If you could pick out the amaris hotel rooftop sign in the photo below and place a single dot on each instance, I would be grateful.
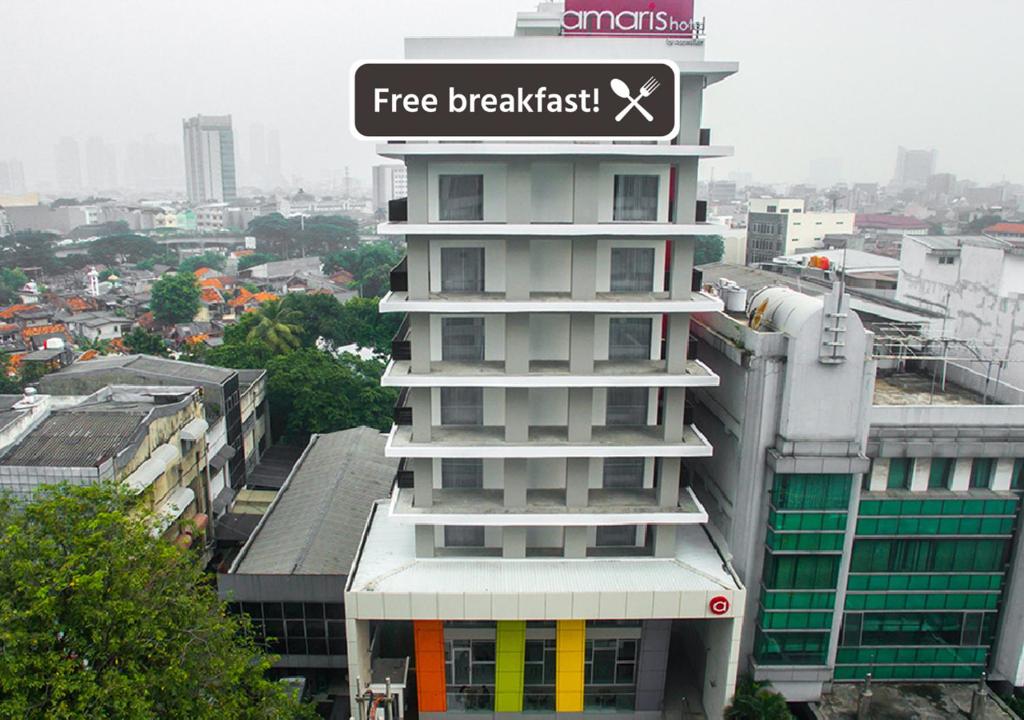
(636, 18)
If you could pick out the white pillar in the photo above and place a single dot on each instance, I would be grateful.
(1004, 474)
(919, 478)
(879, 475)
(961, 475)
(357, 640)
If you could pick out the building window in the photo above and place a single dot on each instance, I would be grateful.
(629, 339)
(929, 556)
(811, 492)
(1017, 479)
(462, 339)
(463, 536)
(616, 536)
(469, 667)
(946, 259)
(801, 572)
(462, 269)
(941, 473)
(623, 473)
(461, 198)
(901, 470)
(791, 648)
(773, 208)
(462, 406)
(462, 473)
(539, 675)
(609, 674)
(626, 406)
(296, 628)
(636, 198)
(982, 470)
(632, 270)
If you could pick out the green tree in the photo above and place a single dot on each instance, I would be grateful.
(367, 327)
(313, 392)
(99, 619)
(756, 701)
(175, 298)
(239, 355)
(208, 259)
(710, 249)
(370, 264)
(33, 248)
(9, 383)
(276, 326)
(978, 224)
(257, 258)
(118, 249)
(298, 237)
(140, 340)
(11, 281)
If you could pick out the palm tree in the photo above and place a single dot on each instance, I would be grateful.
(756, 701)
(277, 327)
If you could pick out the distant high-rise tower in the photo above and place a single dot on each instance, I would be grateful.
(12, 177)
(68, 165)
(274, 176)
(209, 158)
(257, 172)
(913, 167)
(100, 164)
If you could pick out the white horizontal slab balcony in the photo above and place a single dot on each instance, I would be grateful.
(619, 151)
(546, 508)
(477, 303)
(549, 374)
(503, 230)
(545, 442)
(389, 582)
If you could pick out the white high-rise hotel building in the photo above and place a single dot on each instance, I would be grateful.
(542, 551)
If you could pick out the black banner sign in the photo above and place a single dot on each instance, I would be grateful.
(515, 100)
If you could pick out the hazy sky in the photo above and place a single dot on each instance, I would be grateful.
(845, 79)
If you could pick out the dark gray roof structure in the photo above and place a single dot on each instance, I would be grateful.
(75, 439)
(315, 524)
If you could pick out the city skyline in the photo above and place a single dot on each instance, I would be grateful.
(778, 138)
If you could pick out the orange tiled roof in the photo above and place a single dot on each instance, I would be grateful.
(342, 277)
(8, 312)
(241, 298)
(77, 303)
(43, 330)
(7, 327)
(262, 297)
(89, 355)
(209, 295)
(1006, 228)
(214, 282)
(196, 339)
(199, 272)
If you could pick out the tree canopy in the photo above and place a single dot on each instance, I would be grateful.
(11, 281)
(710, 249)
(100, 619)
(122, 248)
(757, 701)
(370, 264)
(299, 237)
(256, 258)
(175, 298)
(140, 340)
(210, 259)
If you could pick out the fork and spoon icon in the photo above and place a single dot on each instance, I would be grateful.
(621, 89)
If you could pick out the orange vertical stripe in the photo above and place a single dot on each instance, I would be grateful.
(428, 636)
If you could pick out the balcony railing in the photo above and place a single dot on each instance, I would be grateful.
(399, 276)
(401, 348)
(398, 210)
(403, 411)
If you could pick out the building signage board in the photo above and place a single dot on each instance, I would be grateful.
(643, 18)
(522, 100)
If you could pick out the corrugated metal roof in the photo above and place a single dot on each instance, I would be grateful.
(75, 439)
(316, 523)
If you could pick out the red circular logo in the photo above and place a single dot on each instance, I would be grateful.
(719, 605)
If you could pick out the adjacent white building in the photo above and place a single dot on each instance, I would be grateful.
(209, 158)
(781, 226)
(390, 182)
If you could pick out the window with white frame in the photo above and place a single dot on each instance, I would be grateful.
(462, 406)
(632, 269)
(629, 338)
(462, 339)
(460, 198)
(635, 198)
(622, 473)
(464, 473)
(626, 406)
(463, 536)
(462, 269)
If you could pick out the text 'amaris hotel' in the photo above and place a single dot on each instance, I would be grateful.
(542, 552)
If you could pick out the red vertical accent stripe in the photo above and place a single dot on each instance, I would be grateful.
(428, 636)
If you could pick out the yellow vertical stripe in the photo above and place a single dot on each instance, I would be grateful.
(570, 641)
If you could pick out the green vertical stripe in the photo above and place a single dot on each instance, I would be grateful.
(511, 652)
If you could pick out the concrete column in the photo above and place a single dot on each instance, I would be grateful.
(515, 483)
(668, 483)
(681, 267)
(581, 414)
(678, 341)
(919, 478)
(691, 100)
(879, 474)
(417, 250)
(517, 268)
(517, 415)
(584, 268)
(1003, 476)
(961, 475)
(675, 400)
(577, 482)
(422, 413)
(664, 541)
(581, 343)
(575, 542)
(425, 546)
(652, 665)
(686, 191)
(419, 197)
(585, 199)
(357, 642)
(513, 542)
(422, 482)
(419, 339)
(518, 191)
(517, 343)
(721, 665)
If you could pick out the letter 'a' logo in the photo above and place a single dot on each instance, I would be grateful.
(719, 605)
